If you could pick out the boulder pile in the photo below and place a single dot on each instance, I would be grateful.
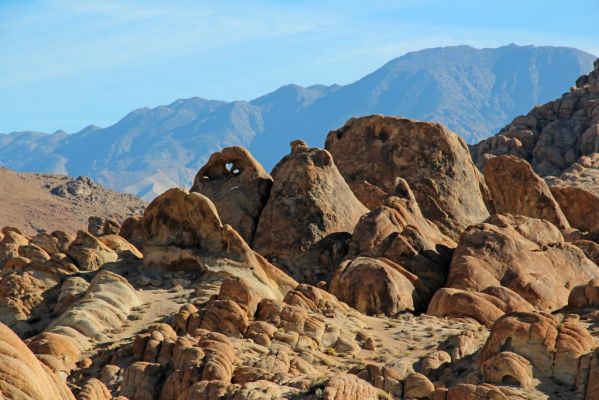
(385, 266)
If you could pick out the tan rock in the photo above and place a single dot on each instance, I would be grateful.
(238, 290)
(581, 207)
(46, 241)
(22, 376)
(120, 246)
(485, 306)
(219, 356)
(348, 387)
(552, 345)
(376, 286)
(94, 390)
(132, 231)
(238, 186)
(310, 205)
(585, 295)
(399, 232)
(89, 253)
(105, 307)
(527, 256)
(508, 368)
(516, 189)
(140, 381)
(464, 391)
(418, 386)
(182, 231)
(434, 161)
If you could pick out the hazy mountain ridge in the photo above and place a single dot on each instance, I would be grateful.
(474, 92)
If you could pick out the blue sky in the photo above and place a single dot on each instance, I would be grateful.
(67, 64)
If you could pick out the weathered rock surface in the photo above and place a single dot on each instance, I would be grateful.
(309, 208)
(22, 376)
(376, 286)
(553, 136)
(577, 192)
(182, 231)
(552, 344)
(238, 186)
(516, 189)
(525, 255)
(375, 150)
(89, 253)
(410, 248)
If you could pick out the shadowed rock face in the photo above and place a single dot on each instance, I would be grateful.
(371, 152)
(309, 208)
(396, 253)
(238, 186)
(552, 344)
(516, 189)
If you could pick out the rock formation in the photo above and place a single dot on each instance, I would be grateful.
(516, 189)
(555, 135)
(182, 231)
(404, 245)
(371, 152)
(22, 376)
(182, 303)
(577, 192)
(309, 215)
(526, 256)
(238, 186)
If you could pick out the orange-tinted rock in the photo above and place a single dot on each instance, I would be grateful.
(182, 231)
(516, 189)
(553, 345)
(132, 231)
(348, 387)
(376, 286)
(238, 186)
(527, 256)
(24, 377)
(89, 253)
(399, 232)
(435, 162)
(485, 307)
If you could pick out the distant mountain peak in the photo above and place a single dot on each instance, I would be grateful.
(473, 91)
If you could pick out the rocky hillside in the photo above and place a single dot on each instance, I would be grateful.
(44, 202)
(385, 266)
(472, 91)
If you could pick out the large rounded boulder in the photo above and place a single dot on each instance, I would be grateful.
(371, 152)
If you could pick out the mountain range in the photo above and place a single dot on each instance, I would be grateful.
(474, 92)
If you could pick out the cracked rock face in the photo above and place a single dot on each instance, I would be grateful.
(238, 186)
(309, 215)
(371, 152)
(553, 345)
(516, 189)
(527, 256)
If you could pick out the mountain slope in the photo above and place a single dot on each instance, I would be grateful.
(36, 202)
(472, 91)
